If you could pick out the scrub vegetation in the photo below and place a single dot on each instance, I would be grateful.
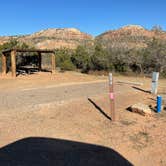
(98, 57)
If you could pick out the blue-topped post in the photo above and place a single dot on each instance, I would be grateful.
(159, 103)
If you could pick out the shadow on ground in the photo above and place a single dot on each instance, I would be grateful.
(99, 109)
(139, 89)
(29, 70)
(38, 151)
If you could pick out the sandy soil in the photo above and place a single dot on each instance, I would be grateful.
(42, 79)
(140, 140)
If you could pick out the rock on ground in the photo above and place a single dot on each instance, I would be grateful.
(141, 109)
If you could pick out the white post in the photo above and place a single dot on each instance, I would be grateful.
(155, 77)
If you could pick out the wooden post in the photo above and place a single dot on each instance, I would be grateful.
(40, 61)
(13, 63)
(112, 97)
(4, 66)
(53, 63)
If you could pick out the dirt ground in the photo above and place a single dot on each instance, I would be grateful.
(79, 111)
(44, 79)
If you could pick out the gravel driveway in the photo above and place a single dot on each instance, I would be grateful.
(22, 99)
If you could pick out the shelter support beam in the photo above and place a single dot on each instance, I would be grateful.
(13, 63)
(53, 66)
(4, 66)
(40, 61)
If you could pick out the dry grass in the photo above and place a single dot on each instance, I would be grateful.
(141, 140)
(127, 122)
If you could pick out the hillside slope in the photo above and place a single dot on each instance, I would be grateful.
(54, 38)
(127, 37)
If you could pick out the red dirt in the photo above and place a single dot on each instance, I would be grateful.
(141, 140)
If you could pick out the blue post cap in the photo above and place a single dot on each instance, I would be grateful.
(159, 103)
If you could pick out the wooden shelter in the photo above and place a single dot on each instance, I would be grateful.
(13, 53)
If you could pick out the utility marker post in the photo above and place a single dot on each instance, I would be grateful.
(112, 96)
(155, 77)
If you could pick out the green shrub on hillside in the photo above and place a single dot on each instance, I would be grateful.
(63, 59)
(67, 65)
(143, 60)
(81, 59)
(99, 59)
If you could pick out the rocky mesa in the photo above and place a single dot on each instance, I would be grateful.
(54, 38)
(128, 37)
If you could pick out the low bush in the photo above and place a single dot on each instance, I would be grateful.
(97, 58)
(67, 65)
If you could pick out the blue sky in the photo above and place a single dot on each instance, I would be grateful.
(91, 16)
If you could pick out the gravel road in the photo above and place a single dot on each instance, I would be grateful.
(30, 98)
(22, 99)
